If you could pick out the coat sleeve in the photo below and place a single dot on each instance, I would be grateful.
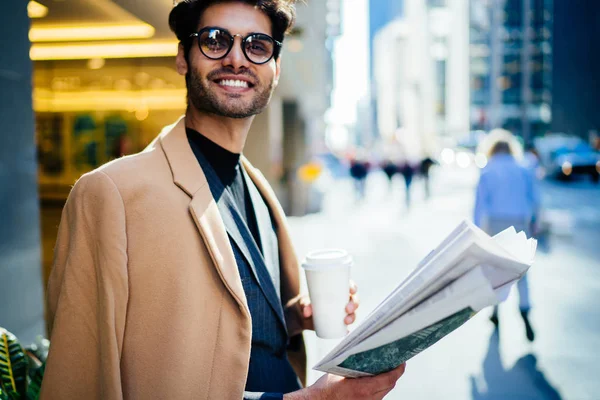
(87, 294)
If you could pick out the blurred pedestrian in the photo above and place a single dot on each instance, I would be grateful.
(424, 169)
(359, 169)
(531, 161)
(389, 169)
(507, 196)
(407, 172)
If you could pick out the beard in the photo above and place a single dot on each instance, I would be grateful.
(204, 98)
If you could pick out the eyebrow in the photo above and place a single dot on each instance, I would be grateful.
(228, 31)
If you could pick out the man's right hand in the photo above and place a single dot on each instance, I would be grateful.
(333, 387)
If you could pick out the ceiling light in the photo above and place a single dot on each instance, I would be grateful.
(164, 48)
(45, 100)
(96, 63)
(36, 10)
(142, 113)
(62, 33)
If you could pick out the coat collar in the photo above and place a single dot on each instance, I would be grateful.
(188, 175)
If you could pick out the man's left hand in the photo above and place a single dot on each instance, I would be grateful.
(351, 307)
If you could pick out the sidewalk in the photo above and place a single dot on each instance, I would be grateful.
(387, 241)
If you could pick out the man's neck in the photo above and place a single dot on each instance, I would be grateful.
(229, 133)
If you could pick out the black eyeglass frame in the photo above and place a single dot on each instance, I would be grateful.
(276, 44)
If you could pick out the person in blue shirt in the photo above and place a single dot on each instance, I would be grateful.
(507, 195)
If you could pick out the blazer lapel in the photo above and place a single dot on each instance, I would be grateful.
(240, 234)
(290, 277)
(190, 178)
(238, 230)
(266, 231)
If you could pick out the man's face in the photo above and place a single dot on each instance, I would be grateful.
(231, 87)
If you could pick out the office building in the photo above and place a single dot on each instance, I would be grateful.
(511, 65)
(576, 77)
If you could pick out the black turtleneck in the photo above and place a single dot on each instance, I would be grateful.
(227, 166)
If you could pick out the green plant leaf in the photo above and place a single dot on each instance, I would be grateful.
(3, 395)
(39, 349)
(35, 383)
(33, 360)
(13, 366)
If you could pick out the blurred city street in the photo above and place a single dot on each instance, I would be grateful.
(474, 362)
(341, 105)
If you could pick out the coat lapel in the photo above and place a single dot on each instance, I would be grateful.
(190, 178)
(290, 278)
(242, 237)
(238, 231)
(267, 234)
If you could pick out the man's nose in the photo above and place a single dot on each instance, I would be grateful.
(236, 58)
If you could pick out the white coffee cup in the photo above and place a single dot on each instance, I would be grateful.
(328, 277)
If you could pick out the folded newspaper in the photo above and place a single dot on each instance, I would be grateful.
(467, 272)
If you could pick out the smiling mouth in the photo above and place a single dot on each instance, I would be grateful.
(234, 83)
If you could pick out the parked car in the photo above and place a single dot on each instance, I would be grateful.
(564, 156)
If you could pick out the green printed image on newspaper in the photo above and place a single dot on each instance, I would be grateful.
(387, 357)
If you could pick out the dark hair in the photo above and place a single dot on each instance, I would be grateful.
(184, 18)
(501, 147)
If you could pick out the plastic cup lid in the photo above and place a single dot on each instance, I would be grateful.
(327, 258)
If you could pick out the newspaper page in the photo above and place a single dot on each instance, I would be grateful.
(468, 271)
(445, 264)
(417, 286)
(419, 328)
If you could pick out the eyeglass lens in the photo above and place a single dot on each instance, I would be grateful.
(216, 43)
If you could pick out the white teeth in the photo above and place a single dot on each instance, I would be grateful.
(233, 83)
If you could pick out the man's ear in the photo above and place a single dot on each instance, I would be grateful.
(180, 61)
(277, 69)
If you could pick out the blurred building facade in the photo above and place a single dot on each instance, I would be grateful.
(420, 70)
(576, 78)
(21, 293)
(511, 65)
(299, 104)
(381, 13)
(104, 84)
(444, 68)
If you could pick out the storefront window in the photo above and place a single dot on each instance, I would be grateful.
(87, 117)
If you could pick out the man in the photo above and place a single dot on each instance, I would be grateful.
(174, 273)
(507, 196)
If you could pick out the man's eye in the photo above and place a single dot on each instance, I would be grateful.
(257, 48)
(214, 44)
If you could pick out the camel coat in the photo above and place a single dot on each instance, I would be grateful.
(145, 299)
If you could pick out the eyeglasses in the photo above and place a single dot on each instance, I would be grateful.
(216, 43)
